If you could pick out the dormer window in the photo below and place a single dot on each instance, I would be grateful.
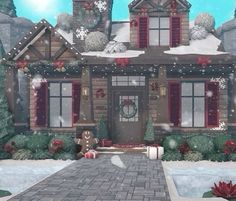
(159, 31)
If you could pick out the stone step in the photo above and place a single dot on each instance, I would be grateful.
(121, 150)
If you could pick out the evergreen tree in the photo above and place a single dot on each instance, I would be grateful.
(149, 134)
(6, 125)
(7, 7)
(102, 129)
(235, 13)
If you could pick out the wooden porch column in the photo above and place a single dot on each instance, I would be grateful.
(86, 120)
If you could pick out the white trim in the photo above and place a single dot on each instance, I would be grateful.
(30, 43)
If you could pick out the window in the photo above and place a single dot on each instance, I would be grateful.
(60, 104)
(159, 31)
(128, 81)
(193, 104)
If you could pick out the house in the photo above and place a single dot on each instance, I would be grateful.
(56, 86)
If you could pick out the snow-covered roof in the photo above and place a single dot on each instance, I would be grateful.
(206, 46)
(66, 35)
(126, 54)
(121, 31)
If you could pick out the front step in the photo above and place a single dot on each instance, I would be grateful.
(115, 150)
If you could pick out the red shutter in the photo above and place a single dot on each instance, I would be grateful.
(174, 103)
(76, 101)
(175, 31)
(143, 32)
(41, 105)
(212, 104)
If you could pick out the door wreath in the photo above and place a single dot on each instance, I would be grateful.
(128, 103)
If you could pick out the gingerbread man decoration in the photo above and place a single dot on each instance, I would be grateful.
(86, 142)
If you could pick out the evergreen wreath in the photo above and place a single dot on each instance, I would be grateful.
(125, 103)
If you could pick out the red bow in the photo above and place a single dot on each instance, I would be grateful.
(100, 93)
(134, 23)
(143, 11)
(88, 6)
(21, 64)
(122, 62)
(203, 61)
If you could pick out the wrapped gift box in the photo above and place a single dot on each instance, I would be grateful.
(155, 152)
(91, 154)
(105, 143)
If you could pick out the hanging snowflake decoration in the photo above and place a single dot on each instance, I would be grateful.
(221, 81)
(222, 127)
(81, 33)
(101, 5)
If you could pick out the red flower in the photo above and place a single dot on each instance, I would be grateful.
(123, 62)
(224, 190)
(203, 61)
(229, 147)
(184, 148)
(56, 146)
(21, 64)
(9, 148)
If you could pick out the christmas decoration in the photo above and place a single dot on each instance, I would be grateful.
(96, 41)
(102, 129)
(205, 20)
(154, 153)
(59, 66)
(88, 6)
(6, 124)
(115, 47)
(143, 11)
(173, 6)
(229, 147)
(203, 61)
(154, 86)
(133, 23)
(101, 5)
(132, 111)
(91, 154)
(198, 33)
(149, 135)
(221, 81)
(22, 65)
(122, 62)
(100, 93)
(55, 146)
(7, 7)
(81, 33)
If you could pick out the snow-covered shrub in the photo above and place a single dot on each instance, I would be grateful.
(172, 156)
(219, 157)
(41, 155)
(22, 154)
(18, 141)
(96, 41)
(64, 156)
(38, 142)
(68, 142)
(172, 142)
(115, 47)
(220, 140)
(198, 33)
(201, 143)
(64, 22)
(232, 157)
(193, 156)
(205, 20)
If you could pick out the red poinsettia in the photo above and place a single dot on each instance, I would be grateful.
(184, 148)
(224, 190)
(9, 148)
(229, 147)
(59, 65)
(56, 146)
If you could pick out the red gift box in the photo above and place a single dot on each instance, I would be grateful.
(91, 154)
(105, 143)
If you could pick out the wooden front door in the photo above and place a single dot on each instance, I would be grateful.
(128, 116)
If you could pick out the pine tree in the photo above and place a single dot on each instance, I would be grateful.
(6, 125)
(149, 134)
(102, 129)
(7, 7)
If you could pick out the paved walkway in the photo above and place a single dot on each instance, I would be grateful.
(100, 180)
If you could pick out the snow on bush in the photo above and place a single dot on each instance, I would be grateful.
(64, 22)
(96, 41)
(198, 33)
(115, 47)
(205, 20)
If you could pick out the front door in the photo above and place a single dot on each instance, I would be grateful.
(128, 116)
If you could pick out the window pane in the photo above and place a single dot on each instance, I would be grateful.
(164, 22)
(199, 89)
(54, 89)
(153, 37)
(186, 111)
(187, 89)
(66, 89)
(164, 37)
(122, 78)
(153, 22)
(66, 112)
(55, 112)
(199, 112)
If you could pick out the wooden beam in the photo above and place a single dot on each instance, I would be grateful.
(59, 52)
(48, 43)
(35, 52)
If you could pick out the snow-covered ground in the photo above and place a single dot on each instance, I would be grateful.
(187, 181)
(16, 176)
(126, 54)
(206, 46)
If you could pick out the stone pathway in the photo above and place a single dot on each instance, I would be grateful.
(100, 180)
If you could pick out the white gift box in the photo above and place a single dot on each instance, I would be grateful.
(155, 152)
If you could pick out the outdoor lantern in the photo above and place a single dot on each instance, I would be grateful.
(162, 90)
(85, 92)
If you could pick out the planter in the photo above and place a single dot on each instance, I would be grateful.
(154, 153)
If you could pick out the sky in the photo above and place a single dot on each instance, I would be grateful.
(222, 10)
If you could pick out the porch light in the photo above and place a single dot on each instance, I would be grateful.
(162, 90)
(85, 92)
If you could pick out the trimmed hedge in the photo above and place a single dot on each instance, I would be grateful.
(42, 154)
(220, 140)
(201, 143)
(38, 142)
(22, 154)
(172, 156)
(64, 156)
(18, 141)
(4, 193)
(68, 142)
(172, 142)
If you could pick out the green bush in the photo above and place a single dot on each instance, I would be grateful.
(19, 141)
(4, 155)
(64, 156)
(220, 140)
(22, 154)
(38, 142)
(172, 156)
(232, 157)
(172, 142)
(193, 156)
(42, 154)
(220, 157)
(68, 142)
(201, 143)
(4, 193)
